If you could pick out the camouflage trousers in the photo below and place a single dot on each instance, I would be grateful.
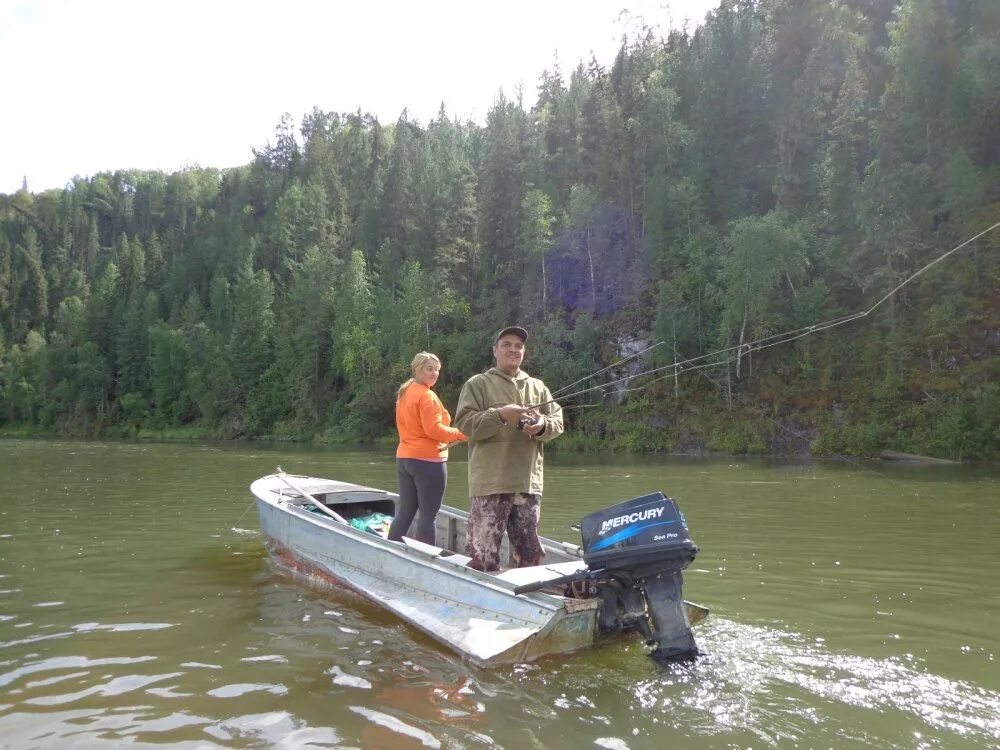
(489, 516)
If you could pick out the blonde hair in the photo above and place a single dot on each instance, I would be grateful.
(418, 360)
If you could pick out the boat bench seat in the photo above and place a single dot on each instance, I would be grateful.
(540, 573)
(516, 576)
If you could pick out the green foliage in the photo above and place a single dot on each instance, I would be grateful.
(866, 440)
(764, 262)
(354, 350)
(738, 440)
(171, 389)
(969, 430)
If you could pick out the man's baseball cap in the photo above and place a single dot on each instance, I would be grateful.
(516, 330)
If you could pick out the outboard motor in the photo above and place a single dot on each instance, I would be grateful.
(637, 550)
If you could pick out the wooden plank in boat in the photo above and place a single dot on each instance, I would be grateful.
(432, 551)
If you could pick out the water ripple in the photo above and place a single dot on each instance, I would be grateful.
(114, 686)
(400, 727)
(277, 729)
(124, 627)
(274, 658)
(54, 680)
(34, 638)
(67, 662)
(242, 688)
(340, 677)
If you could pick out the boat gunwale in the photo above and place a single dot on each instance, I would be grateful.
(568, 549)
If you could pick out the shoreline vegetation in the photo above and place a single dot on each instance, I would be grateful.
(783, 164)
(739, 442)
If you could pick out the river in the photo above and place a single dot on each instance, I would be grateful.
(853, 605)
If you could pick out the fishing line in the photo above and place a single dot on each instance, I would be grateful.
(699, 368)
(247, 510)
(743, 349)
(746, 348)
(678, 365)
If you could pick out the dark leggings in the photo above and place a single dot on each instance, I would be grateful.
(421, 487)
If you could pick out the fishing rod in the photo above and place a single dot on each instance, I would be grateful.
(749, 347)
(613, 364)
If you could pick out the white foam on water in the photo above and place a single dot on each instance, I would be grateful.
(745, 664)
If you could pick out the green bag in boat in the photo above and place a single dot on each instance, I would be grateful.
(375, 523)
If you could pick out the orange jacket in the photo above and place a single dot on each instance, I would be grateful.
(423, 424)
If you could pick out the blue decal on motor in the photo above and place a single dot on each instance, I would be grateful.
(626, 533)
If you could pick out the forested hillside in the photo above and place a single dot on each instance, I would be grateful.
(787, 163)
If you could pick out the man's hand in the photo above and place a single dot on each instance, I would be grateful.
(532, 423)
(511, 412)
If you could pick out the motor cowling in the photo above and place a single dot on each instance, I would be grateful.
(638, 548)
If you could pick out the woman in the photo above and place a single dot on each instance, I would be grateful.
(422, 456)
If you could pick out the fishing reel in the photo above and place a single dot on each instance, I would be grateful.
(527, 421)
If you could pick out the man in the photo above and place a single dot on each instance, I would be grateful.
(508, 416)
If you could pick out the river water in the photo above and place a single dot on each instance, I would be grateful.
(853, 605)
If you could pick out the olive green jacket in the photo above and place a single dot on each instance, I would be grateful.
(501, 457)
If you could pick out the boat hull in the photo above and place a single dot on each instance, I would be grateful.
(472, 613)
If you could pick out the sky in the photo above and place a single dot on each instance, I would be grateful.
(146, 84)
